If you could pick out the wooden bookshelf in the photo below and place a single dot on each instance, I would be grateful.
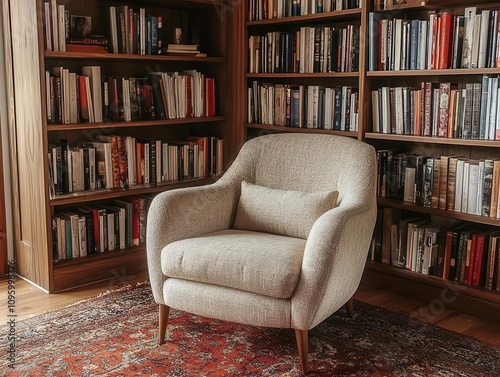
(3, 231)
(34, 134)
(466, 298)
(256, 25)
(228, 61)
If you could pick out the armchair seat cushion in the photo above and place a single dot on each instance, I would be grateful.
(262, 263)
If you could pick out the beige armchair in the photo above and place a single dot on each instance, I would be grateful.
(280, 240)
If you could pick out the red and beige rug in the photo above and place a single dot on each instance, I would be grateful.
(115, 334)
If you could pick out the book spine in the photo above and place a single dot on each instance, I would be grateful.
(446, 21)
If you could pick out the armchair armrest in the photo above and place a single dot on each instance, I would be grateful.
(334, 260)
(185, 213)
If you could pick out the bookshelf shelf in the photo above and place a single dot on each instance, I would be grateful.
(106, 194)
(300, 130)
(85, 270)
(384, 202)
(348, 14)
(301, 75)
(145, 123)
(99, 256)
(434, 140)
(51, 55)
(435, 72)
(472, 300)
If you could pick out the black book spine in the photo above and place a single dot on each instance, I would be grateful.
(317, 49)
(152, 161)
(89, 232)
(86, 169)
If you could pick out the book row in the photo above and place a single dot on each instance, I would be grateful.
(135, 31)
(123, 162)
(91, 97)
(442, 41)
(96, 229)
(453, 183)
(131, 31)
(440, 110)
(303, 106)
(307, 50)
(269, 9)
(465, 252)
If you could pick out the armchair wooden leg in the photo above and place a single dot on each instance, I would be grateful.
(164, 312)
(349, 306)
(302, 345)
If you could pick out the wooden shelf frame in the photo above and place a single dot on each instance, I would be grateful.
(335, 16)
(271, 127)
(435, 291)
(321, 75)
(434, 140)
(435, 72)
(138, 123)
(52, 55)
(106, 194)
(385, 202)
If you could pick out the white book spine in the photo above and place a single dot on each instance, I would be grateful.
(465, 187)
(55, 22)
(496, 136)
(459, 185)
(475, 41)
(61, 27)
(480, 187)
(473, 189)
(483, 39)
(470, 14)
(422, 46)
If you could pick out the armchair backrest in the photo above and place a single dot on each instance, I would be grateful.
(309, 163)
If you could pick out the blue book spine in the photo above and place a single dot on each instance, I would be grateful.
(415, 25)
(337, 109)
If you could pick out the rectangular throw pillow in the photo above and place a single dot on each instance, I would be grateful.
(283, 212)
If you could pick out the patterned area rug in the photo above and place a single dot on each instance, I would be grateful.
(116, 335)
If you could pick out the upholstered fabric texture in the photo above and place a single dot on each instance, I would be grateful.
(262, 263)
(294, 284)
(285, 212)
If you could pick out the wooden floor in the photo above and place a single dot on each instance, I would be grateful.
(30, 301)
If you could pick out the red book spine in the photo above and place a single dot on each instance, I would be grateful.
(139, 162)
(84, 105)
(479, 259)
(469, 263)
(447, 254)
(444, 40)
(427, 109)
(210, 96)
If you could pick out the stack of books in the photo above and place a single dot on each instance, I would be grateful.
(185, 50)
